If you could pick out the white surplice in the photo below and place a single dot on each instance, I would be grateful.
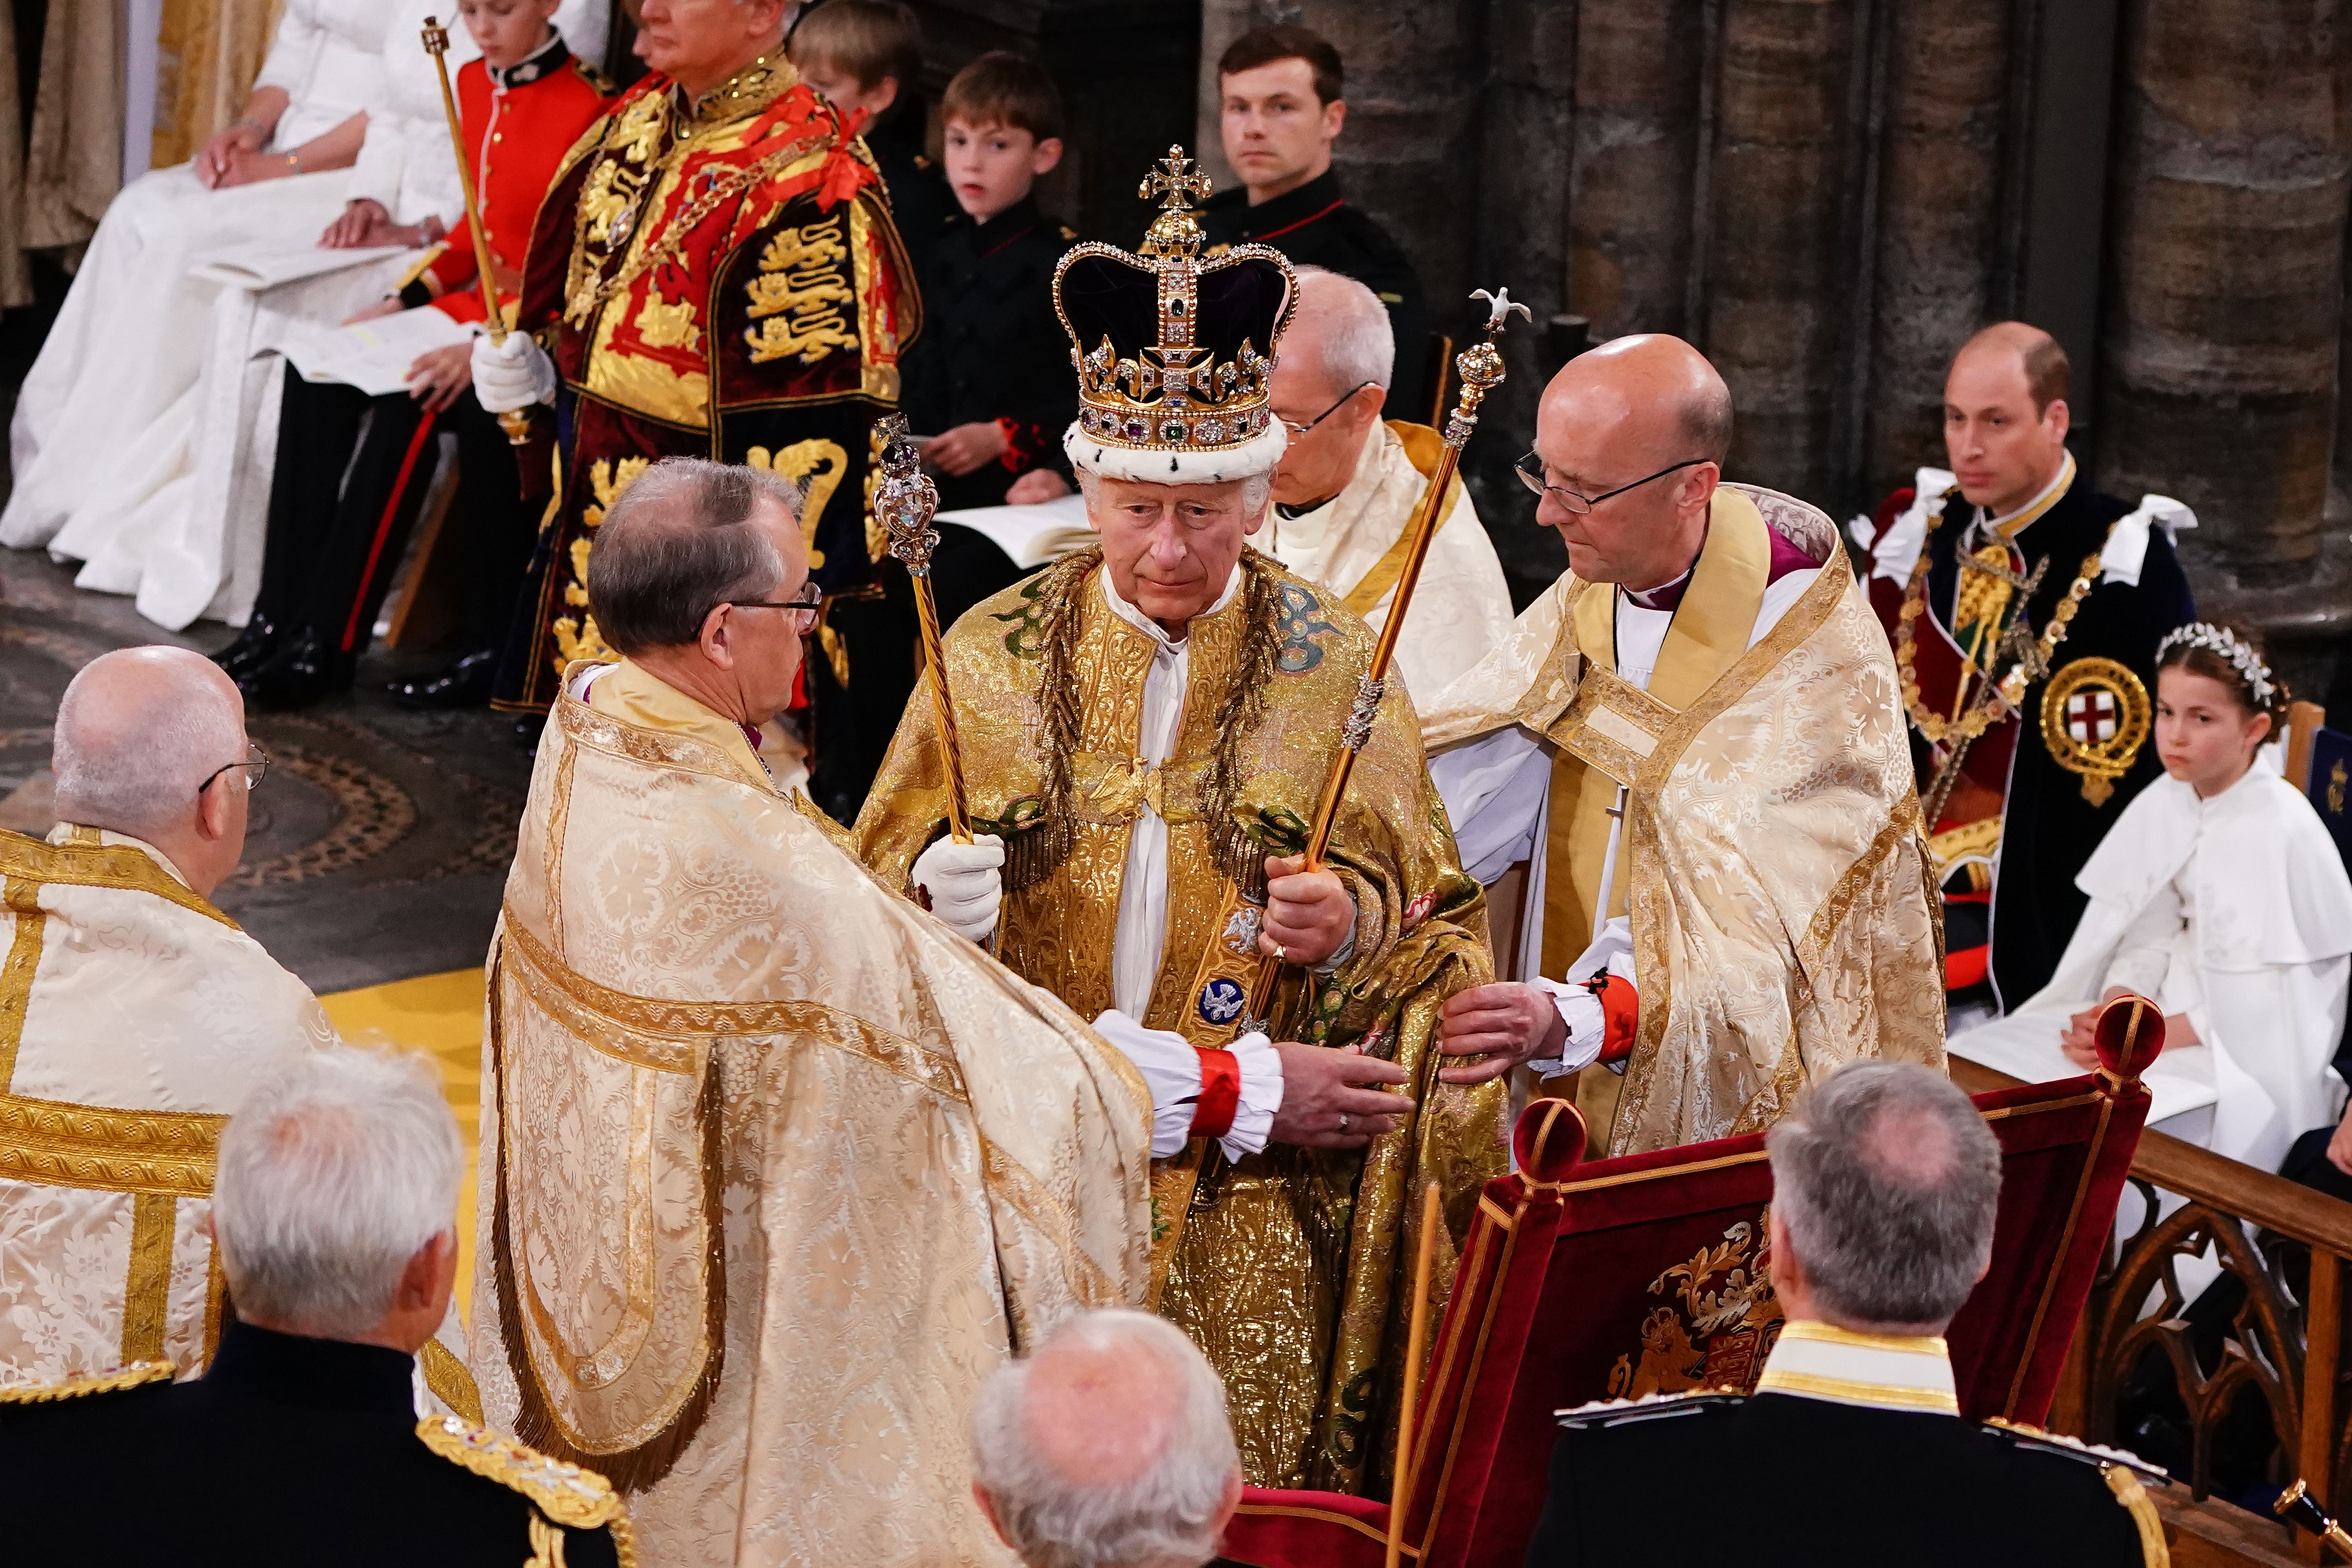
(1461, 607)
(2235, 910)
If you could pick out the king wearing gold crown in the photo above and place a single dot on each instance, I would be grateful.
(1145, 728)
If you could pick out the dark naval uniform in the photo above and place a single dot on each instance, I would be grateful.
(922, 204)
(1314, 227)
(1870, 1473)
(2040, 788)
(288, 1450)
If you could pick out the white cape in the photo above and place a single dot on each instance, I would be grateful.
(2269, 941)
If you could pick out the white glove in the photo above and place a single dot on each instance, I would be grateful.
(964, 884)
(513, 374)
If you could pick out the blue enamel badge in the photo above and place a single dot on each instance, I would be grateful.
(1221, 1000)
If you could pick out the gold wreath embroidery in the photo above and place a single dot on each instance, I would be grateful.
(796, 299)
(576, 635)
(816, 467)
(2094, 717)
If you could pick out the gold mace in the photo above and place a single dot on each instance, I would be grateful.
(515, 421)
(904, 501)
(1480, 368)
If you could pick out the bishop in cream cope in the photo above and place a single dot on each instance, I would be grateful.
(1707, 778)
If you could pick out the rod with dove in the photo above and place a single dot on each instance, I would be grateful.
(516, 423)
(1480, 368)
(906, 500)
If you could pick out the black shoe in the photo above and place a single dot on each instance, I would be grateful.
(252, 647)
(303, 670)
(464, 683)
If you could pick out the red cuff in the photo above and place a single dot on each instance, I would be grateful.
(1221, 1094)
(1620, 1012)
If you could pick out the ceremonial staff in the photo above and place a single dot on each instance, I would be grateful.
(1480, 367)
(516, 423)
(904, 501)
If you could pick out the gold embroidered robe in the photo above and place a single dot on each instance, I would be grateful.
(766, 1189)
(133, 1017)
(1289, 1270)
(1771, 862)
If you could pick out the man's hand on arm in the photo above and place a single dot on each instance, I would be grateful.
(1310, 920)
(962, 883)
(1324, 1102)
(1506, 1025)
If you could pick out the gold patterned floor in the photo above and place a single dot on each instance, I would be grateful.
(442, 1016)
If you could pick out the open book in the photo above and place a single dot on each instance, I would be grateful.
(1031, 535)
(373, 356)
(263, 263)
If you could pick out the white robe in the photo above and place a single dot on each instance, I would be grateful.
(2235, 910)
(102, 429)
(1461, 608)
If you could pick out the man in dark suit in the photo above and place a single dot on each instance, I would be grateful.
(1280, 108)
(1853, 1448)
(2025, 607)
(331, 1205)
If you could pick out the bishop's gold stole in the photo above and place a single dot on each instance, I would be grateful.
(1707, 636)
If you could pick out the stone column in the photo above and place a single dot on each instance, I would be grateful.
(1947, 68)
(1778, 279)
(1640, 68)
(2226, 253)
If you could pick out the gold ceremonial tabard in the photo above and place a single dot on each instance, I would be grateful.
(1784, 920)
(1287, 1268)
(765, 1190)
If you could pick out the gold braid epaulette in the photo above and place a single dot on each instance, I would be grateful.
(132, 1374)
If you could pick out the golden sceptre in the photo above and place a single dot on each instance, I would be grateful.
(515, 421)
(1480, 368)
(904, 501)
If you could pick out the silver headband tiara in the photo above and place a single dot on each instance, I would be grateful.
(2229, 646)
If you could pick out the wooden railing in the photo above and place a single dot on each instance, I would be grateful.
(2287, 1350)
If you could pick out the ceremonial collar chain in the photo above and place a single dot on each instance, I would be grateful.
(2229, 646)
(2033, 658)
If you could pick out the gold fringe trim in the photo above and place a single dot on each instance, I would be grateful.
(133, 1376)
(56, 1144)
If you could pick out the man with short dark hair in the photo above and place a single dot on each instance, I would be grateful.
(1280, 108)
(332, 1214)
(1885, 1185)
(2010, 585)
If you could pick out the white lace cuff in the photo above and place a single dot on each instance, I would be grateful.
(1171, 1070)
(1588, 1025)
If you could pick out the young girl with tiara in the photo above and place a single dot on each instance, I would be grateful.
(2219, 896)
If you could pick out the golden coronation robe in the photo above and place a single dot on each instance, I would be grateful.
(1288, 1269)
(1783, 923)
(133, 1017)
(775, 1168)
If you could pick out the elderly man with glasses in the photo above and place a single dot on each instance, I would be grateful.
(134, 1017)
(1350, 486)
(1147, 729)
(1692, 739)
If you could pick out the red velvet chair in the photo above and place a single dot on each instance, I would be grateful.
(1647, 1274)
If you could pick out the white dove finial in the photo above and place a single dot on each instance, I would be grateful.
(1499, 305)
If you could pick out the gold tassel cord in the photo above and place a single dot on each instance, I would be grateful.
(1480, 366)
(516, 422)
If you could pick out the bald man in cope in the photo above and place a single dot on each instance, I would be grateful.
(134, 1017)
(2036, 776)
(1692, 741)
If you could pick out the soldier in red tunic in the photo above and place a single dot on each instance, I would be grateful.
(715, 274)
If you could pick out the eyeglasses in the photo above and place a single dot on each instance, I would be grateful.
(256, 767)
(803, 605)
(1298, 430)
(1530, 469)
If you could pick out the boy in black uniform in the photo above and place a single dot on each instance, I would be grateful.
(1853, 1448)
(1280, 108)
(864, 54)
(301, 1443)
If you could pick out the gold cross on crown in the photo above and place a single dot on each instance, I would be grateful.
(1176, 179)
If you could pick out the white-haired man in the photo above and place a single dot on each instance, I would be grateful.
(765, 1187)
(1107, 1448)
(1351, 485)
(1146, 730)
(1885, 1183)
(133, 1015)
(338, 1178)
